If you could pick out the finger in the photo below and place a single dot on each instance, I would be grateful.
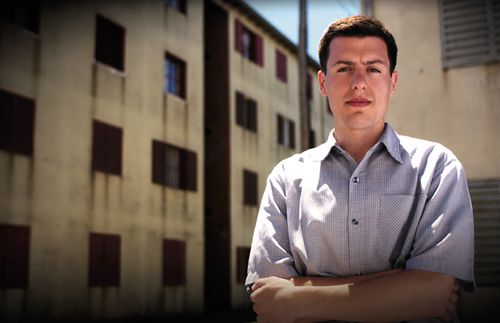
(254, 296)
(453, 297)
(259, 283)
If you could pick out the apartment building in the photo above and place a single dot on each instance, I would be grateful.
(135, 141)
(101, 158)
(252, 121)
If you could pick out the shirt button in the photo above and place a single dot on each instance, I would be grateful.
(355, 179)
(354, 221)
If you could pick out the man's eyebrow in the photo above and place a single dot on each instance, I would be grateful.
(375, 61)
(349, 63)
(339, 62)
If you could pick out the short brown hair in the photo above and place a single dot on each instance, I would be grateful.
(357, 26)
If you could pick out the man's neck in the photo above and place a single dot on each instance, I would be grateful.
(357, 142)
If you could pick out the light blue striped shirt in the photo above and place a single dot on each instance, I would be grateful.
(405, 205)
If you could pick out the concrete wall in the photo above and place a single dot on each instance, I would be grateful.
(457, 107)
(58, 195)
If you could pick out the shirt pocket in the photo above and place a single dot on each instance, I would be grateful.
(394, 214)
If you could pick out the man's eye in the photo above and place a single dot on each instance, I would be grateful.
(374, 70)
(342, 69)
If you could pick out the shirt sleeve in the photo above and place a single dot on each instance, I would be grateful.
(444, 239)
(270, 251)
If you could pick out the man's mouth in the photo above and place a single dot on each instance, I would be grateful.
(358, 102)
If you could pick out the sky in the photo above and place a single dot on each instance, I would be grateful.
(284, 15)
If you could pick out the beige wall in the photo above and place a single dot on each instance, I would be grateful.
(55, 191)
(459, 108)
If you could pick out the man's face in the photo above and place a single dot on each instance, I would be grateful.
(358, 83)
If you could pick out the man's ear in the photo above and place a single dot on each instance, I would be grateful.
(394, 82)
(321, 82)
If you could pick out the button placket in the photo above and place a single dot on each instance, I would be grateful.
(356, 200)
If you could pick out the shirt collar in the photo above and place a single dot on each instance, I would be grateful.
(389, 139)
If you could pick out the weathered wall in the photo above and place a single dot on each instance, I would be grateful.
(57, 193)
(457, 107)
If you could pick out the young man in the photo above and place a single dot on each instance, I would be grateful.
(370, 225)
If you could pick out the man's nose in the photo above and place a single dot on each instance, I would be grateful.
(358, 81)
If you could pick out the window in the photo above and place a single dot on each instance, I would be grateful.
(286, 132)
(14, 256)
(312, 138)
(246, 112)
(485, 196)
(242, 255)
(109, 43)
(106, 148)
(281, 66)
(175, 76)
(17, 119)
(104, 260)
(309, 89)
(250, 188)
(470, 32)
(179, 5)
(174, 262)
(22, 13)
(173, 166)
(249, 44)
(328, 110)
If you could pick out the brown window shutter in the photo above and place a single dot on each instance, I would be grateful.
(240, 109)
(14, 256)
(188, 170)
(174, 262)
(312, 138)
(281, 139)
(112, 260)
(259, 49)
(109, 43)
(114, 150)
(17, 122)
(183, 85)
(242, 255)
(99, 145)
(159, 163)
(309, 86)
(25, 14)
(106, 148)
(96, 258)
(250, 187)
(281, 68)
(292, 134)
(104, 259)
(6, 120)
(252, 115)
(183, 6)
(23, 126)
(238, 33)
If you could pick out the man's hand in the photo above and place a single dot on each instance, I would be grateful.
(402, 295)
(449, 309)
(273, 298)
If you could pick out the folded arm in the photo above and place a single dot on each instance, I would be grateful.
(388, 296)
